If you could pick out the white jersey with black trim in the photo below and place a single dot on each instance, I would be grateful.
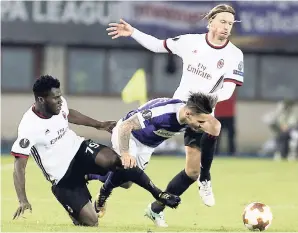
(50, 141)
(205, 66)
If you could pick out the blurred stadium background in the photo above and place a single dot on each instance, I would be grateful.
(68, 40)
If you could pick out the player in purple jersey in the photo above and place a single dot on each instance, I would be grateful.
(211, 64)
(137, 135)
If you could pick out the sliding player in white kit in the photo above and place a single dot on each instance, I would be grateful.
(65, 158)
(211, 64)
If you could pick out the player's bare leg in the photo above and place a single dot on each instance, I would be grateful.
(208, 145)
(193, 168)
(193, 162)
(87, 216)
(178, 185)
(107, 158)
(100, 204)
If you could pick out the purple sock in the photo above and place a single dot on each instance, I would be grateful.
(98, 177)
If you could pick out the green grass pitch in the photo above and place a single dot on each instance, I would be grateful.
(236, 183)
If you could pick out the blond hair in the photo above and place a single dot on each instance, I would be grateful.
(219, 9)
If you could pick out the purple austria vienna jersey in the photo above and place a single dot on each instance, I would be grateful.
(159, 121)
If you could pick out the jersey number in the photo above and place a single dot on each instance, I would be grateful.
(91, 145)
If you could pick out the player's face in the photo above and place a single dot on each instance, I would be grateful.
(53, 101)
(196, 121)
(222, 25)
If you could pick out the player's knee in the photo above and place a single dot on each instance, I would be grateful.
(116, 161)
(215, 128)
(126, 185)
(193, 173)
(88, 216)
(92, 221)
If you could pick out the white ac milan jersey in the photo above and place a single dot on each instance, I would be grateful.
(50, 141)
(205, 66)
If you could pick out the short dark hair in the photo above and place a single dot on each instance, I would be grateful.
(44, 84)
(201, 103)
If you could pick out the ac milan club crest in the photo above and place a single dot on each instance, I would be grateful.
(220, 63)
(64, 115)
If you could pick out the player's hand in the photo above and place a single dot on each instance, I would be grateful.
(107, 126)
(20, 211)
(119, 29)
(128, 161)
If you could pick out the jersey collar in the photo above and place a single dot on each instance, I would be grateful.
(38, 114)
(215, 46)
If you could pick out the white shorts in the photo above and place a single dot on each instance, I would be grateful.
(141, 152)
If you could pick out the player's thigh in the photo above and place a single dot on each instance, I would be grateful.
(141, 152)
(144, 155)
(97, 158)
(192, 141)
(73, 198)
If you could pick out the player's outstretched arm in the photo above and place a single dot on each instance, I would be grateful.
(78, 118)
(124, 133)
(225, 92)
(124, 29)
(19, 183)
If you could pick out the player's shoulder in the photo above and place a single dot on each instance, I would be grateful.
(29, 121)
(167, 105)
(164, 101)
(64, 106)
(235, 50)
(176, 101)
(200, 37)
(186, 37)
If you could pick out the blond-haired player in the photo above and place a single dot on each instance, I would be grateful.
(211, 64)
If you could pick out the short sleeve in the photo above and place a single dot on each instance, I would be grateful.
(157, 116)
(22, 146)
(177, 45)
(235, 71)
(144, 117)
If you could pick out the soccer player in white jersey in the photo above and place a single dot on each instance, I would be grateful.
(211, 64)
(140, 131)
(65, 158)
